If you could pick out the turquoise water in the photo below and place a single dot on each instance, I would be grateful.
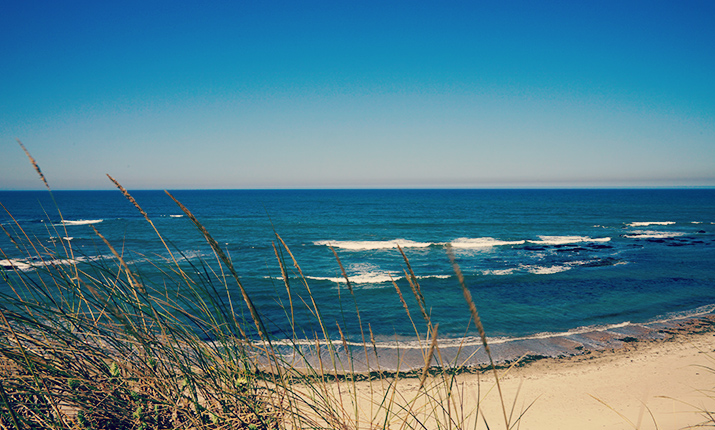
(535, 261)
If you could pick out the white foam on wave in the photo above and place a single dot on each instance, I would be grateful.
(25, 265)
(176, 216)
(499, 272)
(67, 238)
(81, 221)
(15, 264)
(482, 242)
(470, 341)
(372, 245)
(572, 332)
(361, 278)
(433, 277)
(651, 234)
(563, 240)
(692, 313)
(647, 223)
(544, 270)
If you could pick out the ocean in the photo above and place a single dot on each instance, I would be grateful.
(550, 271)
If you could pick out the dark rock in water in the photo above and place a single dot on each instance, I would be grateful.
(609, 261)
(576, 249)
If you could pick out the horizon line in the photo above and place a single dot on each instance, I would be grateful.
(426, 188)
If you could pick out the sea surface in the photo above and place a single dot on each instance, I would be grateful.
(548, 269)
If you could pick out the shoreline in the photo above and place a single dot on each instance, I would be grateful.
(469, 356)
(647, 384)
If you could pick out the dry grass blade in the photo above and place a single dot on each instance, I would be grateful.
(146, 217)
(34, 164)
(284, 274)
(40, 382)
(132, 280)
(478, 323)
(342, 269)
(52, 196)
(316, 310)
(6, 402)
(128, 196)
(611, 408)
(415, 286)
(217, 249)
(430, 355)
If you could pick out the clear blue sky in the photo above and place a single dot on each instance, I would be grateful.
(330, 94)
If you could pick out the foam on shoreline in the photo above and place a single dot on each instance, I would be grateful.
(468, 353)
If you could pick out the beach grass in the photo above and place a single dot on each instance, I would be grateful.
(90, 343)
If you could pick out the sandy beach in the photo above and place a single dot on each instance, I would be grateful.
(661, 384)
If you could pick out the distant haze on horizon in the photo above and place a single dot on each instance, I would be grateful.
(317, 94)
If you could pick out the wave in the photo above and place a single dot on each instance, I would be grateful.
(434, 277)
(692, 313)
(176, 216)
(647, 223)
(370, 245)
(557, 268)
(499, 272)
(482, 242)
(651, 234)
(26, 265)
(563, 240)
(544, 270)
(361, 278)
(67, 238)
(462, 342)
(81, 221)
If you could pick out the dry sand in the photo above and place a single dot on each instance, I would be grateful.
(614, 389)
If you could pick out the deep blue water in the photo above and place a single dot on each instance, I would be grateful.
(535, 260)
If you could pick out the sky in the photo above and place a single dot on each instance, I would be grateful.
(325, 94)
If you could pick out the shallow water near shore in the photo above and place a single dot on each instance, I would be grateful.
(548, 269)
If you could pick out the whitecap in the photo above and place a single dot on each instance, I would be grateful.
(647, 223)
(360, 278)
(433, 277)
(176, 216)
(370, 245)
(544, 270)
(499, 272)
(25, 264)
(482, 242)
(650, 234)
(81, 221)
(67, 238)
(563, 240)
(12, 264)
